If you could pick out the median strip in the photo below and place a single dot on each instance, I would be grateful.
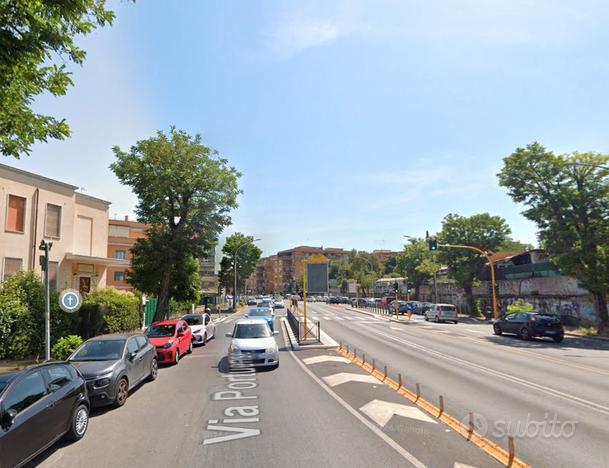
(506, 457)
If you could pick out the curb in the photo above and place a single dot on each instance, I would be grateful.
(489, 447)
(586, 337)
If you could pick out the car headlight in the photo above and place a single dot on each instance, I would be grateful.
(102, 381)
(169, 344)
(233, 349)
(272, 349)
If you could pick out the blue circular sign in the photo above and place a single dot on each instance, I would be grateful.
(70, 300)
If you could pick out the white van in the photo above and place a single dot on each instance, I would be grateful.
(442, 313)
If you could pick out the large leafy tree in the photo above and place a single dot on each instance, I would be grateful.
(483, 231)
(37, 40)
(247, 257)
(360, 266)
(567, 196)
(185, 191)
(416, 263)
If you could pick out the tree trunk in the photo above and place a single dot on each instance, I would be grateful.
(469, 298)
(417, 286)
(162, 306)
(600, 306)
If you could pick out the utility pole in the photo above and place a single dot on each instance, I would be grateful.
(44, 263)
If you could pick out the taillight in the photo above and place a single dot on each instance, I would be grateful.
(533, 318)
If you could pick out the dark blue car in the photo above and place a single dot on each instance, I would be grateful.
(265, 313)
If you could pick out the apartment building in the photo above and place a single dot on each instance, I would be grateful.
(384, 255)
(291, 265)
(122, 235)
(33, 208)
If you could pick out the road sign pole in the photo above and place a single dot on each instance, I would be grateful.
(46, 247)
(304, 296)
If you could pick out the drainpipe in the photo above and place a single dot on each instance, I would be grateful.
(34, 230)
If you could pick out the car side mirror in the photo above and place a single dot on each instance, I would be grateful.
(8, 417)
(132, 355)
(229, 335)
(276, 332)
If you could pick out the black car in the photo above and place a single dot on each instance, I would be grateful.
(113, 365)
(528, 325)
(38, 406)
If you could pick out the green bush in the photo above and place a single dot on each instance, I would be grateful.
(22, 317)
(65, 346)
(110, 311)
(520, 305)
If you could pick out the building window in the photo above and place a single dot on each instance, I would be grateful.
(15, 215)
(120, 254)
(11, 266)
(52, 227)
(53, 274)
(119, 276)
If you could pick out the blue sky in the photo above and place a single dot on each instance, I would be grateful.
(353, 122)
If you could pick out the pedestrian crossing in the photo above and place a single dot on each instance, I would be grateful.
(339, 318)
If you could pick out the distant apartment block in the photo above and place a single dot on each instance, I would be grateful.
(122, 235)
(291, 262)
(384, 255)
(33, 208)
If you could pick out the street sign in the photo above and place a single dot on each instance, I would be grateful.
(70, 300)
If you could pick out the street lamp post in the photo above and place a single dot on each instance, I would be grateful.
(44, 263)
(249, 241)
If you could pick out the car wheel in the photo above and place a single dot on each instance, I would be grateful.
(426, 318)
(558, 339)
(455, 322)
(497, 329)
(154, 370)
(437, 319)
(79, 423)
(189, 347)
(524, 333)
(204, 342)
(122, 392)
(176, 358)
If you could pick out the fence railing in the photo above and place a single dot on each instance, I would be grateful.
(309, 333)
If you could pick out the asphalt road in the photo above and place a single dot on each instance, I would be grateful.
(553, 397)
(311, 411)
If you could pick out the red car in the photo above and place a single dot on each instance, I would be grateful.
(171, 338)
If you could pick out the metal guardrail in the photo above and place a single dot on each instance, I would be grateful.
(297, 325)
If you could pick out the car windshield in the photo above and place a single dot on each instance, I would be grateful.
(161, 331)
(252, 330)
(193, 319)
(258, 313)
(99, 350)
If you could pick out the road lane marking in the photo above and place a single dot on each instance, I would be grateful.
(325, 358)
(344, 377)
(414, 461)
(548, 390)
(381, 412)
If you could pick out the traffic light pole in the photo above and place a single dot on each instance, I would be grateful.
(491, 266)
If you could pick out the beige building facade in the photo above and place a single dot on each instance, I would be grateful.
(33, 208)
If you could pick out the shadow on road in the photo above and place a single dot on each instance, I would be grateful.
(569, 342)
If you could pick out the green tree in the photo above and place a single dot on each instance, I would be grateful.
(483, 231)
(567, 196)
(37, 40)
(409, 261)
(185, 191)
(247, 257)
(510, 245)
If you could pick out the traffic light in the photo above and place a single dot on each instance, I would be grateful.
(409, 288)
(433, 244)
(395, 287)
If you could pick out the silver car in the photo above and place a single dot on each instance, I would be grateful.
(442, 313)
(253, 344)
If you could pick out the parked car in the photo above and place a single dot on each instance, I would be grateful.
(401, 305)
(442, 313)
(113, 365)
(278, 303)
(262, 313)
(202, 327)
(39, 406)
(251, 300)
(265, 303)
(426, 306)
(172, 339)
(253, 343)
(528, 325)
